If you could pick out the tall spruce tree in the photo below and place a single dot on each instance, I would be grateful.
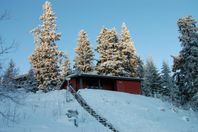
(167, 81)
(31, 78)
(109, 49)
(84, 54)
(194, 102)
(186, 64)
(66, 69)
(45, 58)
(130, 60)
(140, 68)
(10, 73)
(30, 84)
(152, 80)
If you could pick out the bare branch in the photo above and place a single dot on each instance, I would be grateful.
(8, 49)
(3, 115)
(7, 116)
(5, 49)
(5, 94)
(5, 16)
(9, 97)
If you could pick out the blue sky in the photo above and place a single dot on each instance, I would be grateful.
(152, 24)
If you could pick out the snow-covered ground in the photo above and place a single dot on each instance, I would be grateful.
(137, 113)
(45, 112)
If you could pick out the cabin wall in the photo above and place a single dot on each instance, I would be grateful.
(73, 83)
(107, 84)
(128, 86)
(64, 86)
(92, 83)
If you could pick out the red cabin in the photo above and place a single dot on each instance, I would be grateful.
(114, 83)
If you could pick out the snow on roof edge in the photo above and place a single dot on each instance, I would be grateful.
(103, 76)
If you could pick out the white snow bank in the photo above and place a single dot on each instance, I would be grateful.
(45, 112)
(137, 113)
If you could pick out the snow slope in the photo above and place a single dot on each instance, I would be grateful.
(136, 113)
(45, 112)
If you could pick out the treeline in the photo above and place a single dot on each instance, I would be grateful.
(181, 87)
(117, 57)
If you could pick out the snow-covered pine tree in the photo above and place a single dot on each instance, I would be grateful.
(109, 49)
(140, 68)
(130, 60)
(186, 64)
(66, 69)
(84, 55)
(167, 81)
(31, 83)
(36, 34)
(152, 80)
(102, 50)
(8, 76)
(194, 102)
(45, 58)
(31, 78)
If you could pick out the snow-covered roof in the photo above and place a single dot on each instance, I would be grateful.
(104, 76)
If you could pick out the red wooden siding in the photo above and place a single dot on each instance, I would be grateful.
(74, 84)
(107, 84)
(128, 86)
(122, 84)
(90, 83)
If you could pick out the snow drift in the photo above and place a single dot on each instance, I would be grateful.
(47, 112)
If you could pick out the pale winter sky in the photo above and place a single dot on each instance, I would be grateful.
(152, 24)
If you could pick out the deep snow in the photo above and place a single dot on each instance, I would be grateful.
(45, 112)
(136, 113)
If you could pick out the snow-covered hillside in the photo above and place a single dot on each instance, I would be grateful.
(137, 113)
(46, 112)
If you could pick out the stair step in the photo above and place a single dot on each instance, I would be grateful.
(100, 119)
(86, 106)
(94, 114)
(104, 120)
(89, 109)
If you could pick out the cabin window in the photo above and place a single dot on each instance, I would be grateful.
(91, 83)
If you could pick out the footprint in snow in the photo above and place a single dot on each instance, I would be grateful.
(185, 118)
(162, 109)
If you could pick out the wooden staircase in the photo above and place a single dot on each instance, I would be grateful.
(91, 111)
